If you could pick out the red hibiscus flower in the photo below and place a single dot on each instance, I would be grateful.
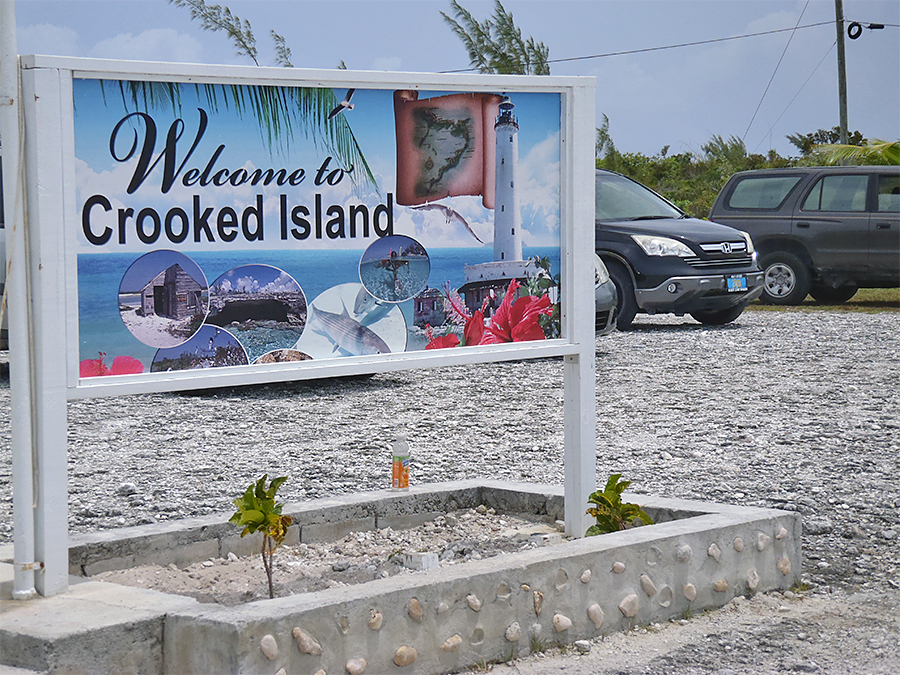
(443, 341)
(121, 365)
(517, 321)
(474, 330)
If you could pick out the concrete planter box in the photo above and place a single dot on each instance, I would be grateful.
(698, 556)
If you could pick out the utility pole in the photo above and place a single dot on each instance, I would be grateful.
(842, 69)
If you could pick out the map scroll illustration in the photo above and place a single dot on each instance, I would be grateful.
(445, 146)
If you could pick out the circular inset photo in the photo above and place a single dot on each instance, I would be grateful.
(163, 298)
(346, 320)
(283, 356)
(395, 268)
(211, 347)
(262, 305)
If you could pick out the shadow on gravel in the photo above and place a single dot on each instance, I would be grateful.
(332, 385)
(679, 328)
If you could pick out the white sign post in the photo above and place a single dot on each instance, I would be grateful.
(168, 204)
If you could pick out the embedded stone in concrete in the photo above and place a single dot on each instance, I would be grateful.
(752, 579)
(414, 610)
(513, 632)
(320, 671)
(648, 586)
(356, 666)
(538, 602)
(738, 544)
(714, 552)
(721, 586)
(282, 671)
(404, 656)
(473, 602)
(452, 643)
(762, 540)
(782, 533)
(536, 629)
(306, 643)
(665, 597)
(477, 635)
(561, 622)
(269, 647)
(376, 618)
(784, 565)
(690, 592)
(562, 579)
(442, 608)
(630, 605)
(504, 592)
(595, 614)
(684, 553)
(654, 555)
(618, 567)
(585, 576)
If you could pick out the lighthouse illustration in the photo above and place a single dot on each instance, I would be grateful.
(490, 280)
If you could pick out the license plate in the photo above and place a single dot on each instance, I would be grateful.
(736, 283)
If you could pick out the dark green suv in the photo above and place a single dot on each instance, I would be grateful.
(822, 231)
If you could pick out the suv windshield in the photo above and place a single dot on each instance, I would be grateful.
(620, 198)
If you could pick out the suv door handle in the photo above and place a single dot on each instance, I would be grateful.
(883, 226)
(803, 224)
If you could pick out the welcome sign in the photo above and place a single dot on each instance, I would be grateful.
(234, 225)
(196, 226)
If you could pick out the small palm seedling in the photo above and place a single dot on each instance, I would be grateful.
(611, 513)
(258, 512)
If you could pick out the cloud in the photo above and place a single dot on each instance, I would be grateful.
(157, 44)
(46, 38)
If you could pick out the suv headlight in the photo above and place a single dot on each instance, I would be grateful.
(749, 241)
(661, 246)
(601, 274)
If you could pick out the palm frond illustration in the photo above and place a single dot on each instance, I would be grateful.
(283, 113)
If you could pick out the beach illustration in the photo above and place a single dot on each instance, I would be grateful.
(394, 268)
(210, 347)
(282, 356)
(260, 304)
(336, 329)
(163, 298)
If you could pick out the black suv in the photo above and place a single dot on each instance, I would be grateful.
(822, 231)
(663, 261)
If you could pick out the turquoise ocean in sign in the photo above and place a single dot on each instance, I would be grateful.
(99, 276)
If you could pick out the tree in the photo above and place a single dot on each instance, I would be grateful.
(872, 151)
(805, 143)
(496, 45)
(280, 111)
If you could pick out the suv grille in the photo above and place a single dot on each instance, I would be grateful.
(722, 254)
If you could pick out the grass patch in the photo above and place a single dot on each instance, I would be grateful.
(869, 300)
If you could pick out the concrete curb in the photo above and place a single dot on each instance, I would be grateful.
(698, 556)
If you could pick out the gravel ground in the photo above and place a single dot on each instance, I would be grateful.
(795, 410)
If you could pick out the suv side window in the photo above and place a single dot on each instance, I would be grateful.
(888, 193)
(838, 193)
(761, 192)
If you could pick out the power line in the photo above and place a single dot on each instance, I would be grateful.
(781, 58)
(797, 94)
(683, 44)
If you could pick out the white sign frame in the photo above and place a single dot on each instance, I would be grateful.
(53, 218)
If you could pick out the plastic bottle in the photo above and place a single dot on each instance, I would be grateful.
(400, 469)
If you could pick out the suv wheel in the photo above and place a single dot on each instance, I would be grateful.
(719, 318)
(827, 295)
(626, 306)
(785, 279)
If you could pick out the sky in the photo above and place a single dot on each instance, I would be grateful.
(759, 89)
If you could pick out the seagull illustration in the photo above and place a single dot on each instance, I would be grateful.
(451, 216)
(343, 105)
